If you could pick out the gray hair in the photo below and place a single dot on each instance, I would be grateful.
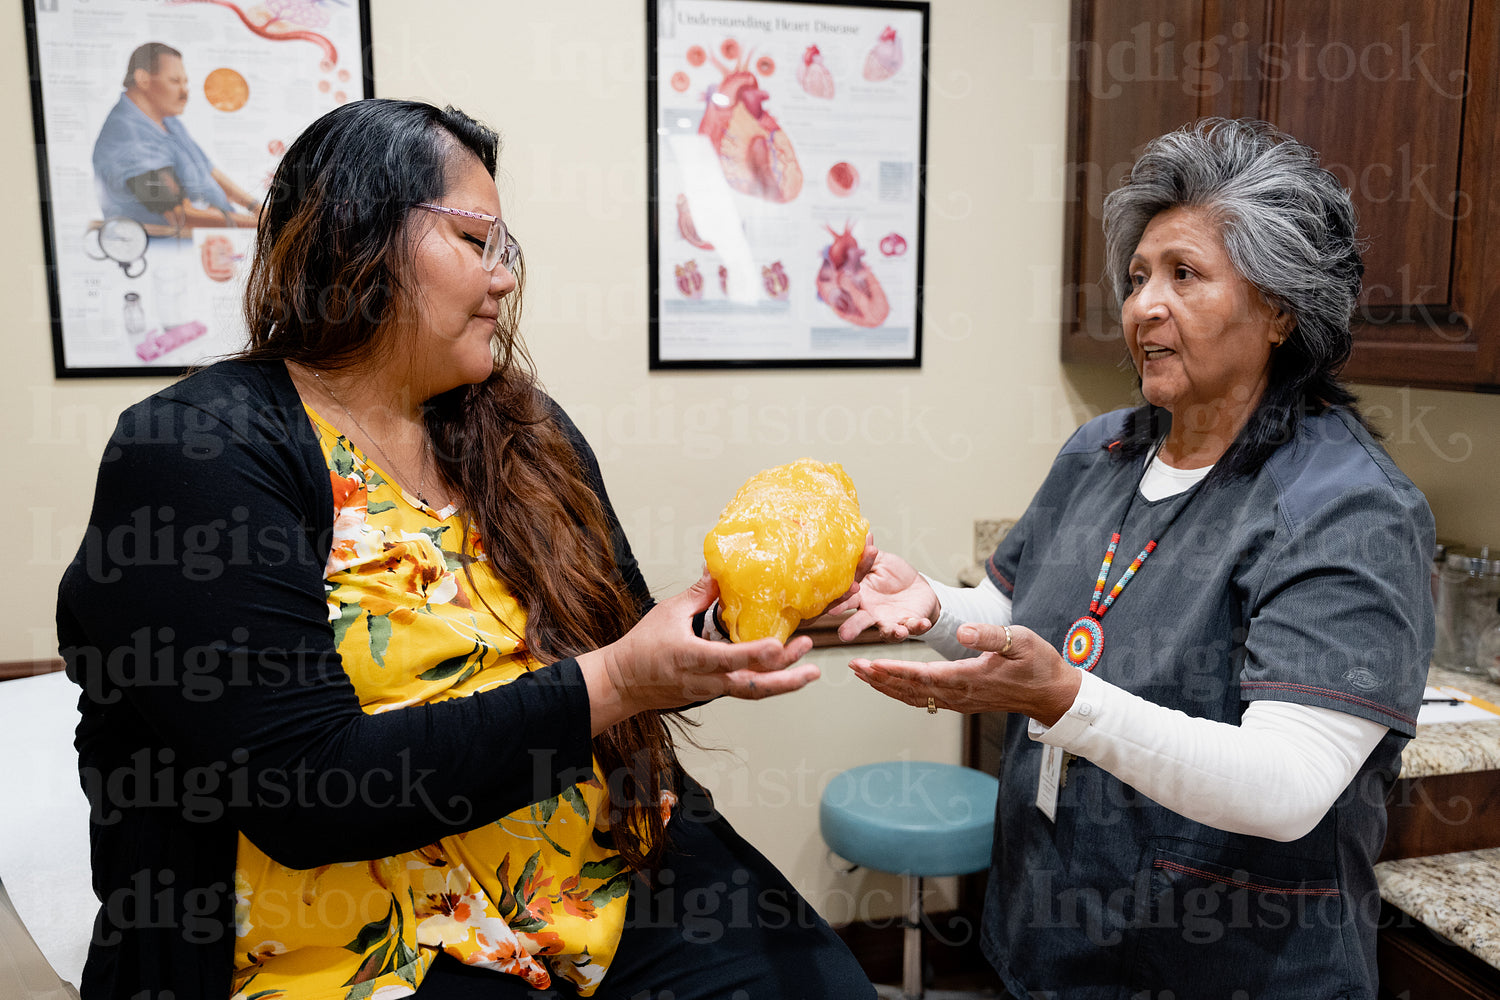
(1290, 231)
(1286, 222)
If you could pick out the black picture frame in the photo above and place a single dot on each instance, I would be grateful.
(172, 302)
(837, 66)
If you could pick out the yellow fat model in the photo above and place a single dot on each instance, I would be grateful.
(787, 545)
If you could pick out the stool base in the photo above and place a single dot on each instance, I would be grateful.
(911, 956)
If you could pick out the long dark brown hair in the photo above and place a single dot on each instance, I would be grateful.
(330, 272)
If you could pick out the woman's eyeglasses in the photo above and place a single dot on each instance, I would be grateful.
(500, 247)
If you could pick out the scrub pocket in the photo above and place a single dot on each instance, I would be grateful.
(1267, 929)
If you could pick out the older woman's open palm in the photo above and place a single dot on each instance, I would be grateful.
(1015, 671)
(890, 596)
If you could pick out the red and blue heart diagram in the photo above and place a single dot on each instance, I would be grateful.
(754, 150)
(848, 285)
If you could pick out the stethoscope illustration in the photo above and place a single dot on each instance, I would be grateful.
(122, 240)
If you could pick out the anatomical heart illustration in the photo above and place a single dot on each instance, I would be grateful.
(689, 280)
(848, 285)
(755, 152)
(884, 59)
(814, 75)
(773, 276)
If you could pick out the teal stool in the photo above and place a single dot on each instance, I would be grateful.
(914, 819)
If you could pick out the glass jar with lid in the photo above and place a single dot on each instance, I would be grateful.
(1468, 592)
(1487, 649)
(1440, 553)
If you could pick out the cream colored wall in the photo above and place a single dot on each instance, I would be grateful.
(1449, 444)
(930, 450)
(969, 435)
(966, 436)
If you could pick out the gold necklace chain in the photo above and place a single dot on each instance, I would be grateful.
(422, 465)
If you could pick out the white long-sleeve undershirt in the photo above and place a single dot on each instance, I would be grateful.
(1273, 775)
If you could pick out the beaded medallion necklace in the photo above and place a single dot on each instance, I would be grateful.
(1085, 640)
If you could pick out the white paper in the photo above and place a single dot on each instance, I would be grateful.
(1444, 711)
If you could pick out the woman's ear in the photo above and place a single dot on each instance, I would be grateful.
(1282, 323)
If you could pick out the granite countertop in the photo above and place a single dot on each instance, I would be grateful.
(1451, 894)
(987, 535)
(1455, 747)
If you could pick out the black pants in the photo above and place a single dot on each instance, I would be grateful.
(718, 922)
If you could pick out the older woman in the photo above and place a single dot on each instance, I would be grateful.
(375, 700)
(1193, 786)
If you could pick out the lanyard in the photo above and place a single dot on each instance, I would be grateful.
(1085, 640)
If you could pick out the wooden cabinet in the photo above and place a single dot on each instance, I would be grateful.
(1401, 100)
(1416, 964)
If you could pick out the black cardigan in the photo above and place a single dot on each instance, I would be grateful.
(194, 619)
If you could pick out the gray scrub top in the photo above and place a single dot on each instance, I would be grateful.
(1309, 583)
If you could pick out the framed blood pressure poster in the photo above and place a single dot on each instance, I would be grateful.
(159, 124)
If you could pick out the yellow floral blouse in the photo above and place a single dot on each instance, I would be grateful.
(533, 894)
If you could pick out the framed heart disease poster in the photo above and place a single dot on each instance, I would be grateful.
(788, 145)
(159, 124)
